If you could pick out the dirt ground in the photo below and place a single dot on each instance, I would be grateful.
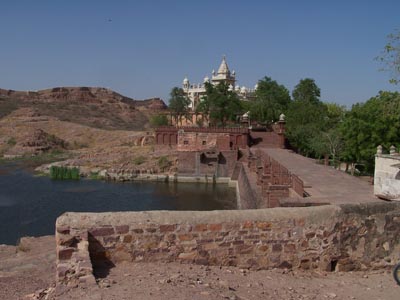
(30, 267)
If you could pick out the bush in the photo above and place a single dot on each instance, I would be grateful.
(158, 120)
(139, 160)
(11, 141)
(64, 173)
(163, 162)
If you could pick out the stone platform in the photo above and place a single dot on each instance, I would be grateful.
(323, 183)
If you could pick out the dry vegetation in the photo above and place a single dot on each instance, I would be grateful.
(96, 128)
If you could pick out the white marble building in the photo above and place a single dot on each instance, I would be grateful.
(196, 91)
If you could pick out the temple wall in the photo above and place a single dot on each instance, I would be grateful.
(344, 238)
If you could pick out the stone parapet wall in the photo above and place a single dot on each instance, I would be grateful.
(347, 237)
(274, 180)
(249, 195)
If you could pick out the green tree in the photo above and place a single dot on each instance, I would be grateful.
(158, 120)
(335, 114)
(272, 99)
(221, 104)
(179, 103)
(390, 57)
(367, 125)
(307, 90)
(306, 119)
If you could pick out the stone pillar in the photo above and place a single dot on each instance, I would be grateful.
(379, 150)
(393, 150)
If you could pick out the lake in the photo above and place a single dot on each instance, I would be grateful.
(29, 205)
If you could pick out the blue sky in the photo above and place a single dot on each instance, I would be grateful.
(143, 48)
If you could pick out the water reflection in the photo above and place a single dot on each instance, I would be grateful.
(29, 205)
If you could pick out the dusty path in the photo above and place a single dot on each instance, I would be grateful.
(27, 267)
(179, 282)
(324, 183)
(31, 267)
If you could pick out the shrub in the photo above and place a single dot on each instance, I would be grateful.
(64, 173)
(163, 162)
(139, 160)
(158, 120)
(11, 141)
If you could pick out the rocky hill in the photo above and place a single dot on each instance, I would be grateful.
(95, 107)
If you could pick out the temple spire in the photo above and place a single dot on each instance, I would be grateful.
(223, 68)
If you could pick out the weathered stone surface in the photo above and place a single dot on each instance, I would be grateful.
(65, 254)
(101, 231)
(330, 237)
(188, 256)
(122, 229)
(167, 228)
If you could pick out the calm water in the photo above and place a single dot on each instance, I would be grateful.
(30, 205)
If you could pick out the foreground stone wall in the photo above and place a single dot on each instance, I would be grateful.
(347, 237)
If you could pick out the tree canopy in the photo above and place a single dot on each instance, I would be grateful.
(306, 90)
(306, 118)
(179, 103)
(390, 57)
(272, 99)
(220, 103)
(367, 125)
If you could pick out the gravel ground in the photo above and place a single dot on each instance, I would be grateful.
(30, 267)
(177, 281)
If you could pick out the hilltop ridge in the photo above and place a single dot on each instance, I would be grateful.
(91, 106)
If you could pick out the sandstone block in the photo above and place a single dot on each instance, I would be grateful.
(215, 227)
(127, 239)
(264, 225)
(276, 247)
(63, 229)
(122, 229)
(248, 225)
(65, 254)
(290, 248)
(244, 249)
(101, 231)
(186, 237)
(167, 228)
(188, 256)
(87, 280)
(200, 227)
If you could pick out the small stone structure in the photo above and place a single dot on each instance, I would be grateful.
(201, 138)
(344, 238)
(387, 174)
(209, 151)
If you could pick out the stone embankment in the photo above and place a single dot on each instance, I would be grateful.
(343, 238)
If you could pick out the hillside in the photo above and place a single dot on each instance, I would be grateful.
(95, 107)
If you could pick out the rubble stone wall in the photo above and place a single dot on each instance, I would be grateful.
(346, 237)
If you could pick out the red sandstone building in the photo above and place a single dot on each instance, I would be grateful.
(213, 151)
